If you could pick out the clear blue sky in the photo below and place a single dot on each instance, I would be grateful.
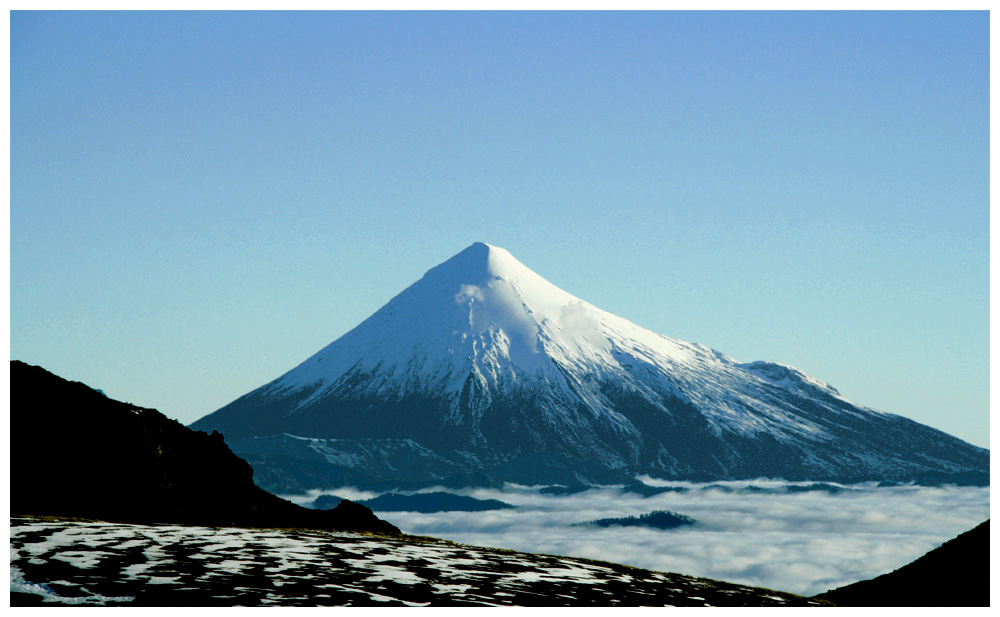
(200, 201)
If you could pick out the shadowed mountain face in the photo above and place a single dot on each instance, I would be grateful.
(957, 573)
(484, 367)
(75, 452)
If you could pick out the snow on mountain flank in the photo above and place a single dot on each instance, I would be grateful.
(485, 314)
(484, 356)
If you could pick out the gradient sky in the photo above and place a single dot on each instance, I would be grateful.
(200, 201)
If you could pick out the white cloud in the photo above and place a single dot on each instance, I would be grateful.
(804, 542)
(469, 293)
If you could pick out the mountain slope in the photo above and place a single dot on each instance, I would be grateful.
(76, 452)
(482, 363)
(957, 573)
(166, 565)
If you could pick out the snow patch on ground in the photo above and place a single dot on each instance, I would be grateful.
(19, 585)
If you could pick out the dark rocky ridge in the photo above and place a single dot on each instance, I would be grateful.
(957, 573)
(76, 452)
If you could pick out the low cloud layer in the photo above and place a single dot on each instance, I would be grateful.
(801, 542)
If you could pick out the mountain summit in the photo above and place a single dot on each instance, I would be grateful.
(482, 366)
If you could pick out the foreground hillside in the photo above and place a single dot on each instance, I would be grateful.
(75, 452)
(87, 562)
(957, 573)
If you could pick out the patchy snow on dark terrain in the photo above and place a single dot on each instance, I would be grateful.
(79, 562)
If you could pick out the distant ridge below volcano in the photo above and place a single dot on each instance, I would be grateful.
(483, 372)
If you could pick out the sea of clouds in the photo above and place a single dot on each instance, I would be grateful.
(756, 533)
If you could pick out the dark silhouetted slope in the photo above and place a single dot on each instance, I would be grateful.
(957, 573)
(78, 453)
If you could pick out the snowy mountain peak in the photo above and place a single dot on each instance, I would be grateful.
(484, 314)
(484, 358)
(488, 275)
(478, 261)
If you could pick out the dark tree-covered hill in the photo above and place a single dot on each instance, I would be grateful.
(658, 519)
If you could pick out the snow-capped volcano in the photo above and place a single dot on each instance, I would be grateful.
(484, 365)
